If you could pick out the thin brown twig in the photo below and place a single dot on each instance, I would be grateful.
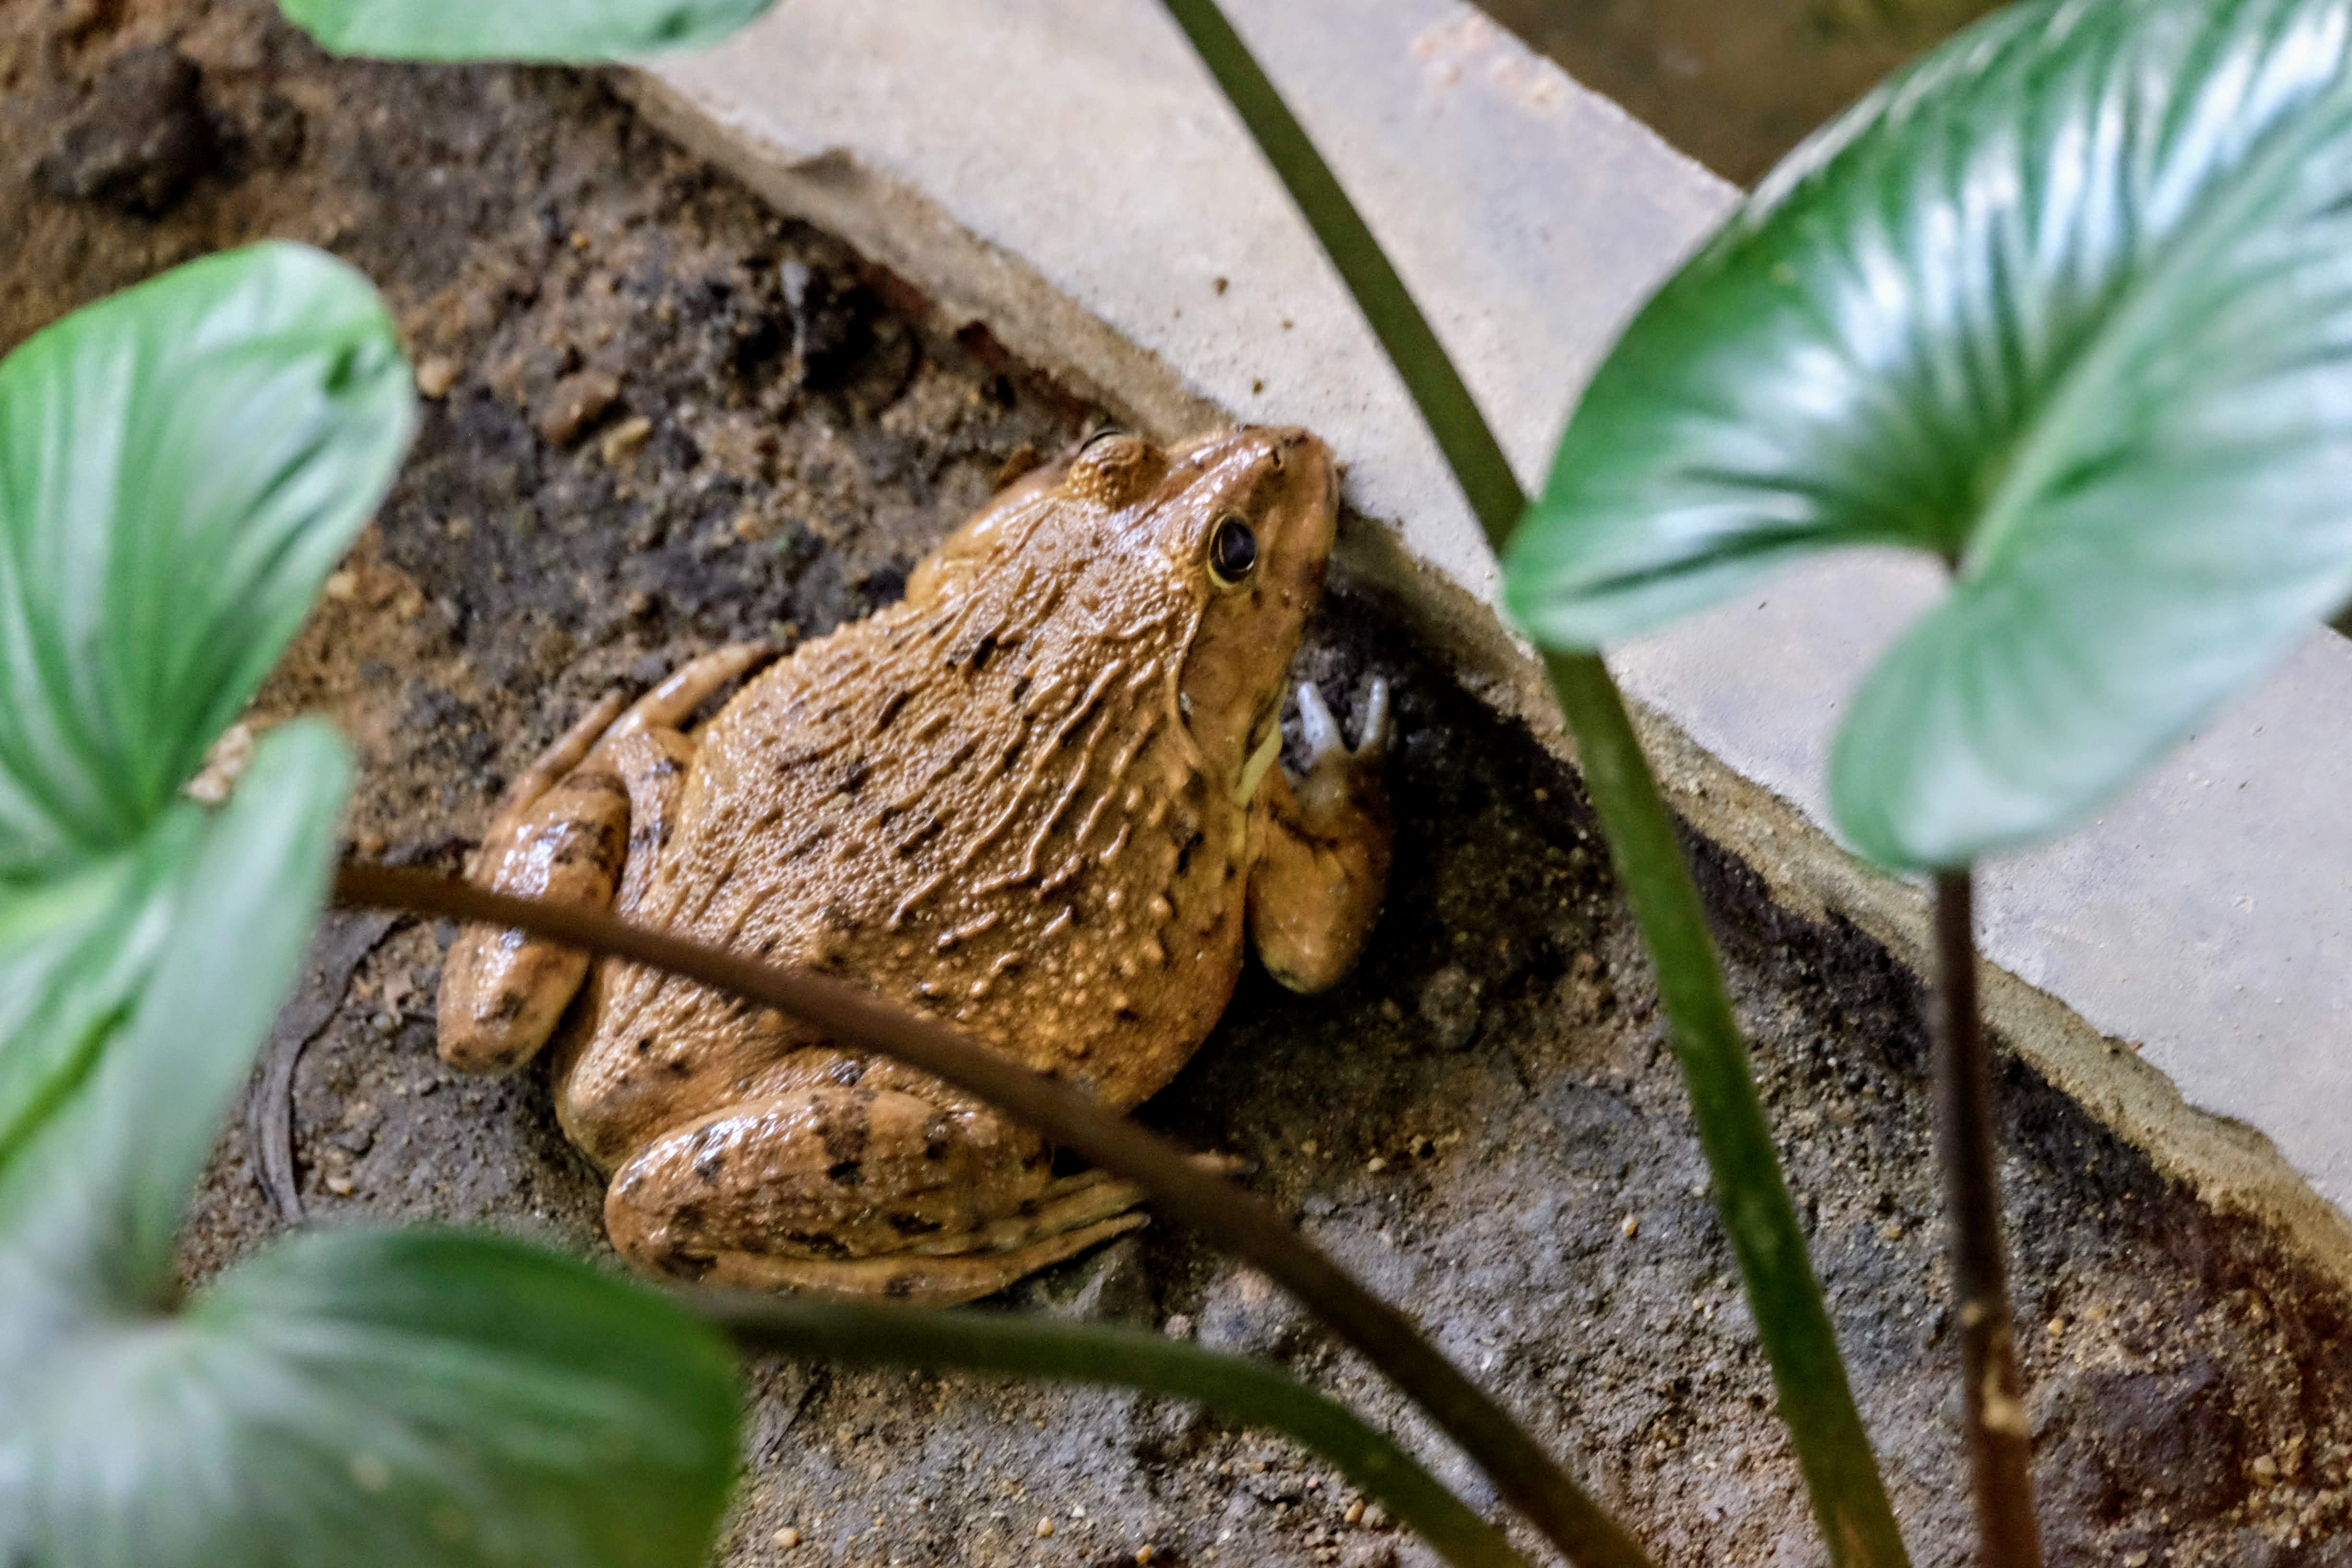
(1235, 1220)
(1998, 1438)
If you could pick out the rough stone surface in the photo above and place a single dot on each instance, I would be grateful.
(1067, 175)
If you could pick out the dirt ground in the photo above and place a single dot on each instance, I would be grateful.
(660, 417)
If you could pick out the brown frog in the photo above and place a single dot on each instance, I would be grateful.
(1040, 797)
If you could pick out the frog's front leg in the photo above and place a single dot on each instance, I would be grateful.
(1319, 850)
(855, 1191)
(594, 807)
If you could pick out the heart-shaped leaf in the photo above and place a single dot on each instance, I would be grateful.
(542, 30)
(351, 1400)
(181, 465)
(2068, 304)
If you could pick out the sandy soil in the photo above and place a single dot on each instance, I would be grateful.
(662, 418)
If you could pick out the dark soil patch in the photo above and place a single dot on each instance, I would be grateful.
(662, 417)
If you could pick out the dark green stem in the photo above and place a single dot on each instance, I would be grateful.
(1234, 1220)
(1751, 1196)
(2000, 1453)
(1024, 1346)
(1833, 1448)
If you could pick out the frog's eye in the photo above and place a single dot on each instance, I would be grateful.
(1108, 433)
(1232, 550)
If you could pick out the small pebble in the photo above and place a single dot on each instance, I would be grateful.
(436, 377)
(1376, 1164)
(340, 1185)
(1355, 1514)
(1632, 1226)
(573, 403)
(1045, 1528)
(1143, 1556)
(786, 1538)
(621, 441)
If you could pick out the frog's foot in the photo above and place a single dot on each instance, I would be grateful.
(1320, 848)
(855, 1192)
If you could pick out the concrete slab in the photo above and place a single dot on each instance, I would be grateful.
(1063, 172)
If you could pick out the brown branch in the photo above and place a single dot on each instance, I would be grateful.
(1235, 1220)
(2000, 1441)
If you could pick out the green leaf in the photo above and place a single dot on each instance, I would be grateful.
(355, 1399)
(73, 950)
(2068, 304)
(181, 465)
(541, 30)
(91, 1201)
(360, 1398)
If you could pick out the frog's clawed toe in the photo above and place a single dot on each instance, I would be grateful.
(1326, 744)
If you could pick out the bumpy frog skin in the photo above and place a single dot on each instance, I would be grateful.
(1039, 798)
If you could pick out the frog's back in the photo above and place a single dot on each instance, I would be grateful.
(980, 801)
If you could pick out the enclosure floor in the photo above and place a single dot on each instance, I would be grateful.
(1484, 1123)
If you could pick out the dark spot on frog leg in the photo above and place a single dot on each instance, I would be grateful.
(899, 1285)
(845, 1173)
(507, 1008)
(841, 1122)
(815, 1244)
(914, 1224)
(936, 1139)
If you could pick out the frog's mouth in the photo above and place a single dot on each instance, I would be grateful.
(1264, 757)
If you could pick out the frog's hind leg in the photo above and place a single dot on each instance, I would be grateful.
(561, 833)
(910, 1275)
(596, 805)
(857, 1191)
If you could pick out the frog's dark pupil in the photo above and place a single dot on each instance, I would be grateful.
(1234, 551)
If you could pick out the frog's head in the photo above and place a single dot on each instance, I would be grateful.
(1246, 519)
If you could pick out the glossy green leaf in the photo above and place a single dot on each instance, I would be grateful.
(181, 465)
(539, 30)
(2069, 304)
(360, 1399)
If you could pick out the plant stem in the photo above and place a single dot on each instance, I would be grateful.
(1832, 1445)
(1235, 1220)
(2000, 1442)
(1751, 1196)
(1025, 1346)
